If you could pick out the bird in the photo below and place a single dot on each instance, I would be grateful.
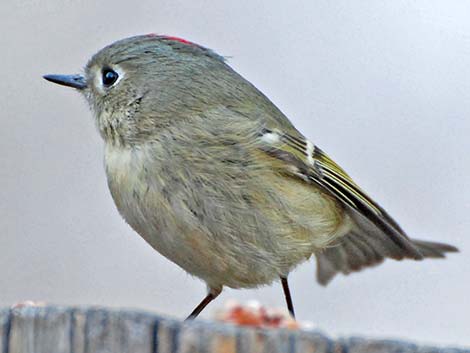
(208, 171)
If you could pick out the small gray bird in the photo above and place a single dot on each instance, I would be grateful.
(215, 178)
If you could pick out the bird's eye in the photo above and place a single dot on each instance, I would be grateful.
(109, 77)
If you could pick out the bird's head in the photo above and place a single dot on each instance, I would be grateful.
(140, 84)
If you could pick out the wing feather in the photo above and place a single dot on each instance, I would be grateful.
(327, 175)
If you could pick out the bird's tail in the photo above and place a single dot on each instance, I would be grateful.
(358, 250)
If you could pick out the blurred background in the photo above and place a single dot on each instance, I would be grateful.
(382, 86)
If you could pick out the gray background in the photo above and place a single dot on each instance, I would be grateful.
(382, 86)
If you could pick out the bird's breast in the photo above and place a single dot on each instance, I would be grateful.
(139, 192)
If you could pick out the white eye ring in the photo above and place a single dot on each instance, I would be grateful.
(100, 79)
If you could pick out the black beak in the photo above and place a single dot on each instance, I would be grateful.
(75, 81)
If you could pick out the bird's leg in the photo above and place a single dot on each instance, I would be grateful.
(213, 293)
(285, 287)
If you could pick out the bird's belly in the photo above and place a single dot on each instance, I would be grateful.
(230, 246)
(218, 262)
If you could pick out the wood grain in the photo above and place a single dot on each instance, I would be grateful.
(99, 330)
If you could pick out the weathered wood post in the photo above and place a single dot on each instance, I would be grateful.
(97, 330)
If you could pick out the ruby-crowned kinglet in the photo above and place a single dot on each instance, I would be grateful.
(215, 178)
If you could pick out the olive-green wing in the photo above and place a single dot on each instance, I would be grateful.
(305, 160)
(376, 235)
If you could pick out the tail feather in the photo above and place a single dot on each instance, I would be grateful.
(433, 249)
(358, 250)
